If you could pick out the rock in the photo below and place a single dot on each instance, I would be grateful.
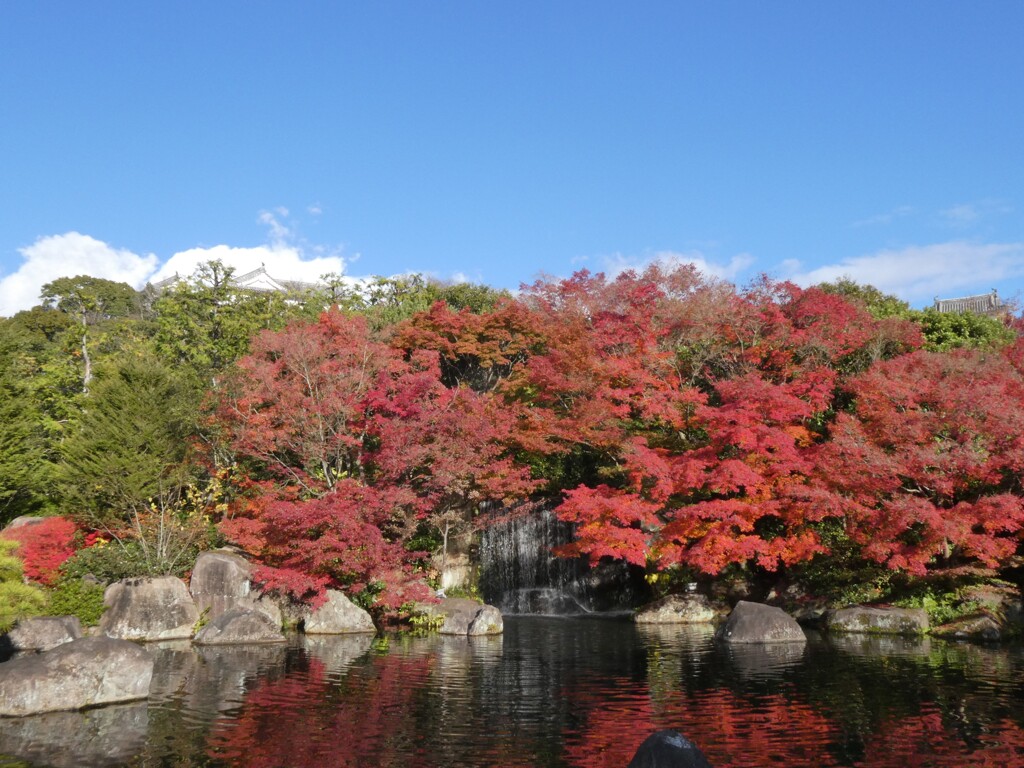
(487, 621)
(981, 628)
(759, 623)
(239, 626)
(43, 633)
(106, 736)
(668, 749)
(466, 617)
(149, 609)
(75, 675)
(338, 616)
(223, 580)
(18, 522)
(676, 609)
(879, 621)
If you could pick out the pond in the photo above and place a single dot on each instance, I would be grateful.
(552, 692)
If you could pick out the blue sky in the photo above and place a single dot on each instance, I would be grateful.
(498, 141)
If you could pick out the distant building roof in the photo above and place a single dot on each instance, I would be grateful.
(259, 280)
(256, 280)
(982, 304)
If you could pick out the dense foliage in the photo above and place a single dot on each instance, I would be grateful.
(679, 424)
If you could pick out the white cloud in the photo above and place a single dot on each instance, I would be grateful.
(918, 273)
(68, 255)
(969, 214)
(282, 261)
(736, 266)
(279, 231)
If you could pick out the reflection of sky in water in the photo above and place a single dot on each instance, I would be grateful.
(554, 692)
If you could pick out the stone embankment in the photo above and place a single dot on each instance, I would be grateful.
(221, 608)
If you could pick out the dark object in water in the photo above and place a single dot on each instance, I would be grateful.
(668, 749)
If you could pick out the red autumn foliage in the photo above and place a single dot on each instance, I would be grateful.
(694, 405)
(44, 546)
(359, 442)
(926, 470)
(684, 422)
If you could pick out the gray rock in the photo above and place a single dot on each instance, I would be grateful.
(18, 522)
(149, 609)
(44, 632)
(759, 623)
(222, 581)
(487, 621)
(668, 749)
(461, 617)
(878, 621)
(239, 626)
(676, 609)
(338, 616)
(75, 675)
(106, 736)
(982, 628)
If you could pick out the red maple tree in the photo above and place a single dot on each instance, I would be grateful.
(353, 443)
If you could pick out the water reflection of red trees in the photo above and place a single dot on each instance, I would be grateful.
(737, 731)
(310, 719)
(386, 711)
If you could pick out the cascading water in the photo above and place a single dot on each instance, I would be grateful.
(519, 575)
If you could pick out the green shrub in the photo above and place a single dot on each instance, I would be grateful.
(107, 562)
(10, 564)
(423, 622)
(17, 600)
(941, 607)
(75, 597)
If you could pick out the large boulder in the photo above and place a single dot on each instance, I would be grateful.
(43, 633)
(878, 621)
(676, 609)
(22, 521)
(759, 623)
(978, 629)
(989, 613)
(75, 675)
(222, 580)
(466, 617)
(149, 609)
(239, 626)
(338, 616)
(668, 749)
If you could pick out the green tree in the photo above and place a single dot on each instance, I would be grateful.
(944, 331)
(28, 434)
(130, 446)
(90, 301)
(206, 322)
(876, 302)
(388, 301)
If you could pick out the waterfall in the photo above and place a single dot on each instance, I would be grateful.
(519, 575)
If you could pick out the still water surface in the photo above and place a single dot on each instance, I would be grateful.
(552, 692)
